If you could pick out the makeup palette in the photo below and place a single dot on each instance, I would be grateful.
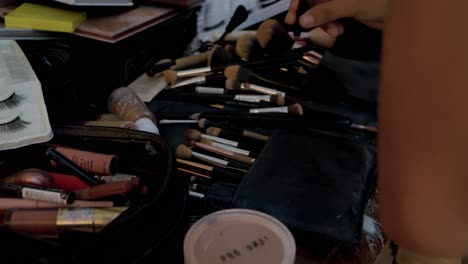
(23, 114)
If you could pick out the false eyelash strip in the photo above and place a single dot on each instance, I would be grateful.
(13, 101)
(13, 126)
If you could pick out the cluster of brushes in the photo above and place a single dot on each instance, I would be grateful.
(220, 156)
(240, 74)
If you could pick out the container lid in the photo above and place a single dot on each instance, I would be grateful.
(239, 236)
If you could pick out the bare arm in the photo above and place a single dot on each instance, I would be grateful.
(423, 144)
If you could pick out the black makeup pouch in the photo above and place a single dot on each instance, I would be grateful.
(141, 234)
(317, 182)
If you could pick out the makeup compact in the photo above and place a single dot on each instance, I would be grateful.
(239, 236)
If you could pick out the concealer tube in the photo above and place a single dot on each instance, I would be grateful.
(97, 163)
(9, 203)
(49, 223)
(125, 104)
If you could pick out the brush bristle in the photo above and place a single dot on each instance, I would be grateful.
(206, 141)
(248, 48)
(277, 99)
(218, 57)
(232, 84)
(273, 37)
(184, 152)
(237, 72)
(202, 123)
(193, 143)
(296, 109)
(170, 76)
(193, 134)
(214, 131)
(231, 50)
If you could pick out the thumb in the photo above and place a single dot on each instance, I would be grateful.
(327, 12)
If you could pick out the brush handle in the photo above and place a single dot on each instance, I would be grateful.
(238, 165)
(219, 174)
(240, 138)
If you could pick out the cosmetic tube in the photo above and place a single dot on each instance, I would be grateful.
(50, 223)
(125, 104)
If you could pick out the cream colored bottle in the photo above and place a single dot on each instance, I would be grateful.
(125, 104)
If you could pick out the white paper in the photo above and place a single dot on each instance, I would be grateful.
(16, 73)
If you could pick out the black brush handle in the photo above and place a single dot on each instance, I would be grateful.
(219, 174)
(238, 165)
(240, 15)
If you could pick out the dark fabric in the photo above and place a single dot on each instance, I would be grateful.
(313, 182)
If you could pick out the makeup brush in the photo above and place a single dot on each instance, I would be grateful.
(218, 132)
(222, 133)
(196, 187)
(232, 84)
(214, 173)
(176, 122)
(273, 37)
(195, 179)
(193, 173)
(185, 152)
(240, 15)
(227, 147)
(172, 79)
(204, 123)
(218, 101)
(295, 109)
(242, 74)
(276, 99)
(248, 48)
(227, 153)
(209, 90)
(215, 57)
(193, 134)
(279, 61)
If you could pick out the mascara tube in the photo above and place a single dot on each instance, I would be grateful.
(37, 193)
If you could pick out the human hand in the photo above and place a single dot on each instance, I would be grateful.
(324, 13)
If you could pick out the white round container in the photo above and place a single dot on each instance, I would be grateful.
(239, 236)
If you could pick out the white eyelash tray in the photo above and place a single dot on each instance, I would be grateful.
(16, 74)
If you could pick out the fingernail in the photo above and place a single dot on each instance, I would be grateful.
(307, 21)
